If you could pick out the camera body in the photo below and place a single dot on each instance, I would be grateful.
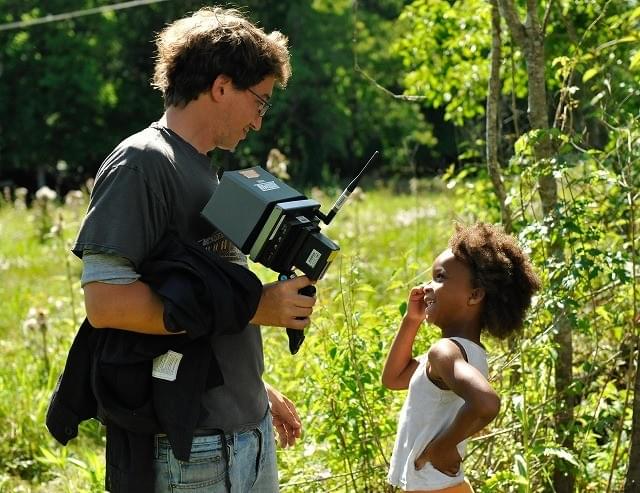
(271, 222)
(276, 226)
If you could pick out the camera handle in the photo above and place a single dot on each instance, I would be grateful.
(296, 337)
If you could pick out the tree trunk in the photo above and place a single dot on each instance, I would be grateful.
(632, 484)
(493, 117)
(530, 39)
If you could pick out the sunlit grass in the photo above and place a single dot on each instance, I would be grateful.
(37, 288)
(380, 234)
(387, 242)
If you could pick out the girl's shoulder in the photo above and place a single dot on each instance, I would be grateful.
(475, 354)
(421, 358)
(449, 348)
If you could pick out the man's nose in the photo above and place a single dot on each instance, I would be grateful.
(256, 124)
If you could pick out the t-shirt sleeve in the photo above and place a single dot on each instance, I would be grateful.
(109, 269)
(127, 212)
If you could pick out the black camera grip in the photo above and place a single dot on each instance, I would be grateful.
(296, 337)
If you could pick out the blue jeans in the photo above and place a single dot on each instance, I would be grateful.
(251, 456)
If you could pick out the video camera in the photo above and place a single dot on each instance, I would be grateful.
(276, 226)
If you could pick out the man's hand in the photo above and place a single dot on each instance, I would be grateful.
(445, 459)
(282, 306)
(285, 417)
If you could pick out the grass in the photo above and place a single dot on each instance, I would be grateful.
(387, 242)
(41, 306)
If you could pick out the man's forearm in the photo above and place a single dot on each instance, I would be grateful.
(133, 307)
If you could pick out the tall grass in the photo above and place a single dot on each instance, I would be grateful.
(40, 307)
(387, 240)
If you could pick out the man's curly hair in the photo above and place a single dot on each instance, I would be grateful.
(498, 265)
(193, 51)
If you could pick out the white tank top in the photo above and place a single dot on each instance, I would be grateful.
(427, 410)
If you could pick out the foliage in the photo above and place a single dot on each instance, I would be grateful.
(591, 53)
(444, 52)
(72, 89)
(41, 307)
(594, 291)
(387, 241)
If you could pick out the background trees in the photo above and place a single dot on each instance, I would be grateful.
(71, 89)
(553, 53)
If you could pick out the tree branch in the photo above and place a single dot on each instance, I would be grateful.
(493, 128)
(517, 29)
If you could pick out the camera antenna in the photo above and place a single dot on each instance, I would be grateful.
(345, 195)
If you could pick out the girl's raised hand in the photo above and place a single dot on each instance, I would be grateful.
(415, 304)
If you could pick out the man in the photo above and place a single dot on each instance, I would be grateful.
(217, 72)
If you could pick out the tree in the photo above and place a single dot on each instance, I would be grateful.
(530, 38)
(72, 89)
(558, 61)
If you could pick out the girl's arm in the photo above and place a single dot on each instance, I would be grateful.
(481, 405)
(400, 363)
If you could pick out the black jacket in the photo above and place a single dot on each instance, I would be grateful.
(108, 371)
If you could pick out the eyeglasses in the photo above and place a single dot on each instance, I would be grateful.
(264, 104)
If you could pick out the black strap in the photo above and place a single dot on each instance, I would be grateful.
(438, 382)
(225, 456)
(462, 350)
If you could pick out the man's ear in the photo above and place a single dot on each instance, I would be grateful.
(221, 86)
(477, 295)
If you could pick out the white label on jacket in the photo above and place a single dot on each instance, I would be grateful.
(165, 366)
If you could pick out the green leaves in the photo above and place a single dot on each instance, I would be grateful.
(561, 453)
(444, 52)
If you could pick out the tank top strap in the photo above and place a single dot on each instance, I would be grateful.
(462, 349)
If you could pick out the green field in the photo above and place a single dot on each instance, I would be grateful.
(387, 239)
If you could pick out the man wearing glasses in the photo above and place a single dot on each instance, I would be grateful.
(216, 71)
(264, 104)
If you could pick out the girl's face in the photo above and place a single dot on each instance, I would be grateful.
(447, 296)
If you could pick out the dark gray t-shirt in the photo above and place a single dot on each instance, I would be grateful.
(154, 182)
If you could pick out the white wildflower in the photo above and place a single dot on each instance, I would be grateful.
(408, 217)
(74, 198)
(277, 164)
(46, 194)
(37, 318)
(29, 325)
(317, 194)
(414, 185)
(21, 198)
(357, 195)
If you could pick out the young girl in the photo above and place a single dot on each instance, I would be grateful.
(482, 282)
